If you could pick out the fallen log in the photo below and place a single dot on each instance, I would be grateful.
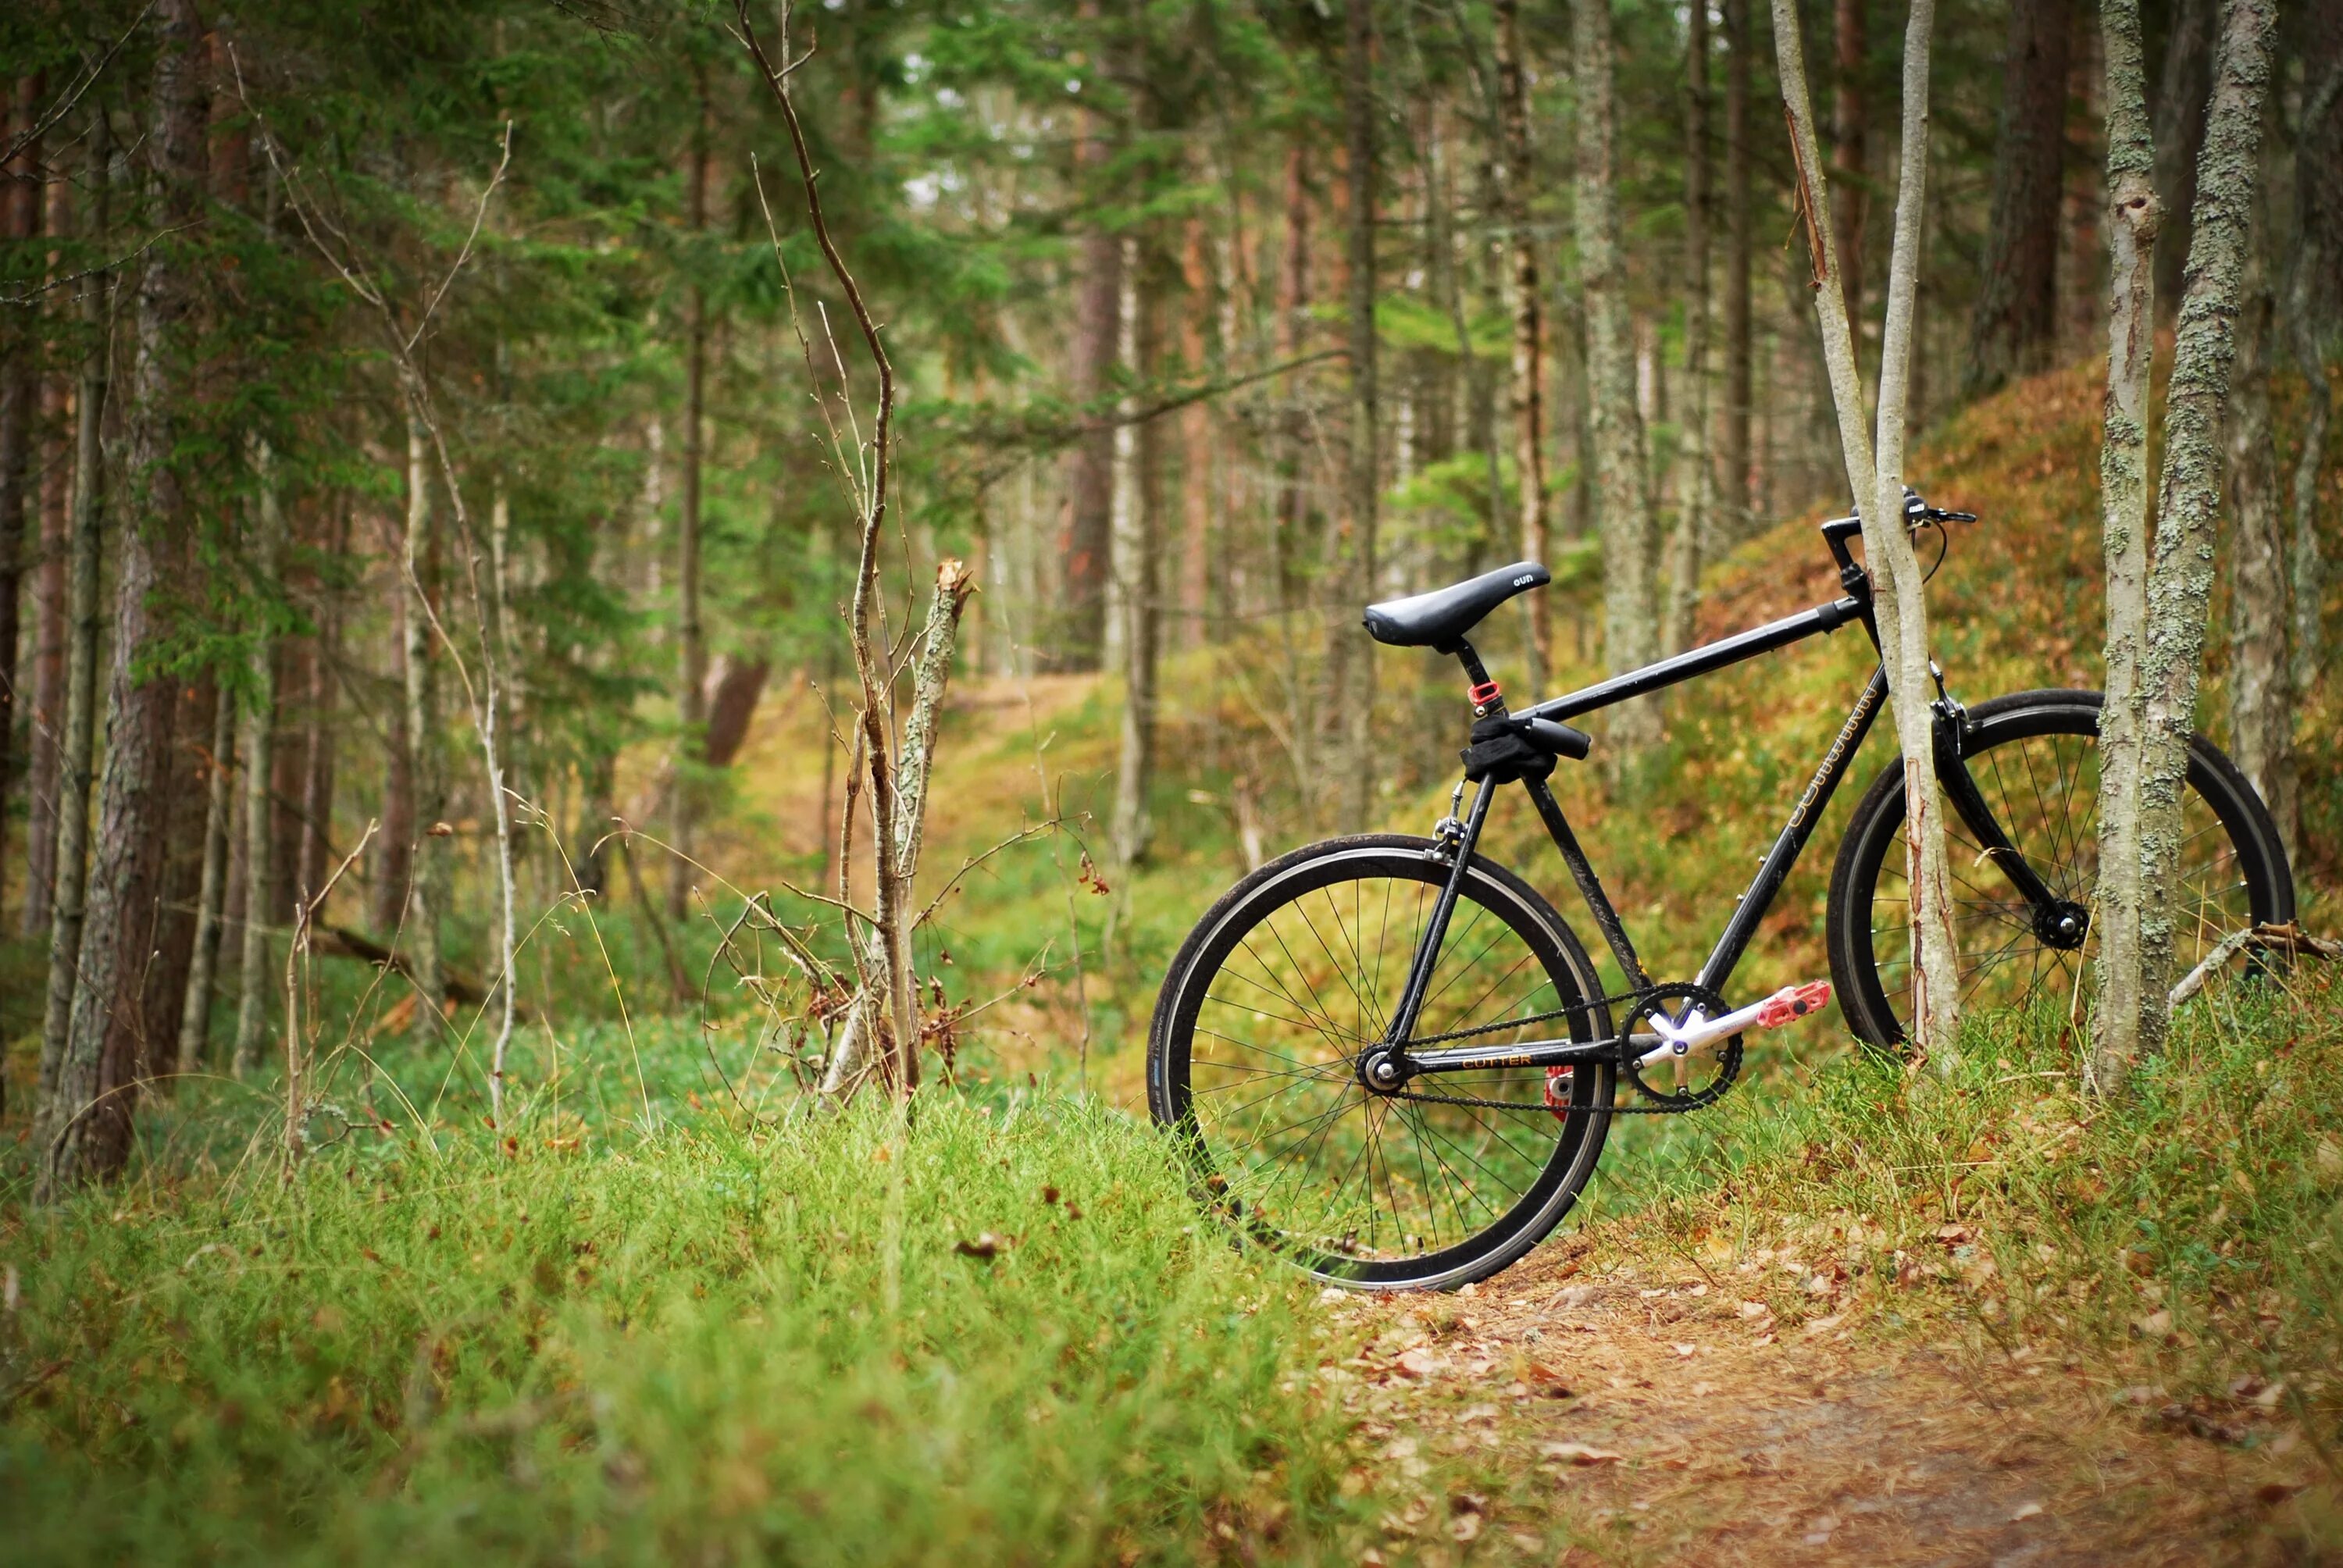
(340, 941)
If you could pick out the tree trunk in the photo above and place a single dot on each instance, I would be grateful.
(52, 628)
(1699, 496)
(171, 955)
(317, 779)
(1293, 335)
(86, 1132)
(1528, 385)
(1139, 517)
(2261, 694)
(1850, 131)
(1622, 477)
(2016, 327)
(2314, 314)
(1088, 540)
(395, 854)
(211, 892)
(2134, 214)
(20, 393)
(425, 786)
(77, 731)
(1874, 476)
(690, 637)
(2189, 496)
(259, 727)
(1354, 671)
(1450, 282)
(1733, 498)
(1201, 480)
(2182, 87)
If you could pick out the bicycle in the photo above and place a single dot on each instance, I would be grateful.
(1389, 1058)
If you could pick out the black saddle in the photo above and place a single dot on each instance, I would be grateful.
(1444, 616)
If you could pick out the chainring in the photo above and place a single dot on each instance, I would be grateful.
(1682, 994)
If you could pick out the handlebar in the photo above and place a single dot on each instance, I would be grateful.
(1917, 514)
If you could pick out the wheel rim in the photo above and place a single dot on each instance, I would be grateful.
(1291, 1144)
(2043, 789)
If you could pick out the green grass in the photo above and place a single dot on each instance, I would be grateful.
(710, 1344)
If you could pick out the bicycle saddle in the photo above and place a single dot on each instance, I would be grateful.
(1437, 618)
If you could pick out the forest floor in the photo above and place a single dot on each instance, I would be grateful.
(1663, 1415)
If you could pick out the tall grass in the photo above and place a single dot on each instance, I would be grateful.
(1006, 1337)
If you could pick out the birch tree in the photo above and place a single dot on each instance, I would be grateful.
(2156, 616)
(1874, 476)
(2135, 214)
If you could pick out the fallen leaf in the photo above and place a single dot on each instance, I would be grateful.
(1577, 1454)
(2154, 1326)
(2024, 1510)
(1685, 1351)
(987, 1246)
(1824, 1325)
(1420, 1362)
(1755, 1309)
(2328, 1158)
(2271, 1492)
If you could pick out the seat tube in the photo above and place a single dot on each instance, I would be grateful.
(1436, 930)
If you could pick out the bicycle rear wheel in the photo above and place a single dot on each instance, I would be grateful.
(1263, 1016)
(2034, 756)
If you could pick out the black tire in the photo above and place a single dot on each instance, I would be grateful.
(1236, 1060)
(2034, 756)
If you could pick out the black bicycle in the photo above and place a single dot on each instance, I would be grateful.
(1390, 1060)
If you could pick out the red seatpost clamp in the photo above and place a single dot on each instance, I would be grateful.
(1483, 694)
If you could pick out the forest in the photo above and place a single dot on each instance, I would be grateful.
(633, 631)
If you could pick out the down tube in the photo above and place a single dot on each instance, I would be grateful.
(1775, 869)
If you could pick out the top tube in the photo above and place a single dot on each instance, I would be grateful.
(1700, 661)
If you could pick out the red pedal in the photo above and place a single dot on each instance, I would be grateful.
(1792, 1003)
(1559, 1081)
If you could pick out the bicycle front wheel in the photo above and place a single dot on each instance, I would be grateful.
(2034, 757)
(1251, 1064)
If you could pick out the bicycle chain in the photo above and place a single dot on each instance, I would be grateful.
(1670, 1107)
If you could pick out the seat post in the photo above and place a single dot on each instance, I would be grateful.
(1487, 700)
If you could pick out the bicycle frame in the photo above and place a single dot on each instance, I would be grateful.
(1394, 1061)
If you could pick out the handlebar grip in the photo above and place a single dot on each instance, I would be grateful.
(1558, 739)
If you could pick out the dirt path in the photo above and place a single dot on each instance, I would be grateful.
(1650, 1415)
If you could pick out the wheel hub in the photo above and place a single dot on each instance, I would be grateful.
(1382, 1070)
(2062, 925)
